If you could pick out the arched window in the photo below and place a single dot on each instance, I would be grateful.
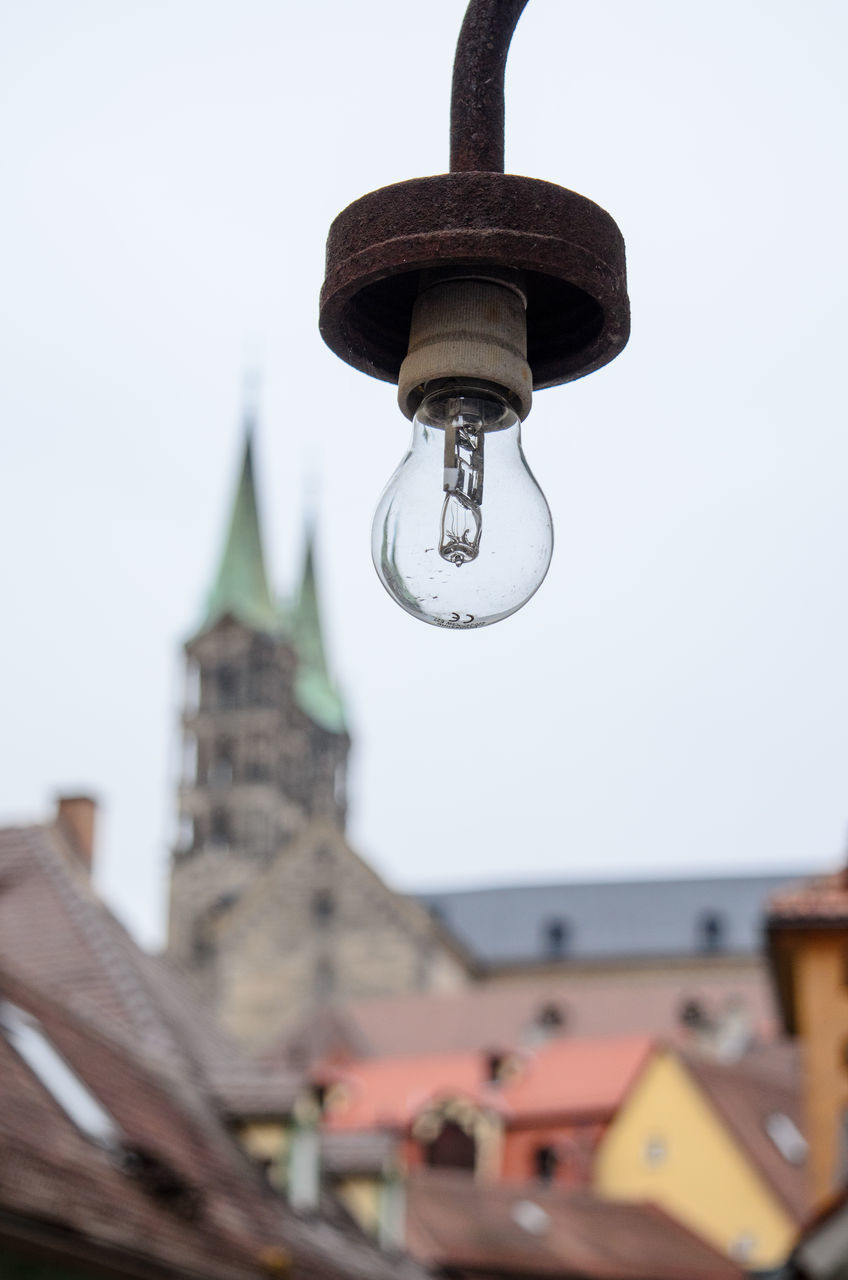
(452, 1148)
(227, 683)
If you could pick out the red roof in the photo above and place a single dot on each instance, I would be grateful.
(563, 1077)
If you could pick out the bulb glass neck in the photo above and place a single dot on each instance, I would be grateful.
(450, 402)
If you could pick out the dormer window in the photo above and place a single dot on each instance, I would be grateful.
(27, 1038)
(712, 932)
(556, 938)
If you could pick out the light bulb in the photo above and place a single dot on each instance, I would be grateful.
(462, 535)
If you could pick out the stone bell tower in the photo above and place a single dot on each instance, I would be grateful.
(265, 745)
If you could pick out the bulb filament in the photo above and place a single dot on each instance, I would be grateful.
(462, 516)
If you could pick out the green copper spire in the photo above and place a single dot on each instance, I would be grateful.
(241, 587)
(314, 689)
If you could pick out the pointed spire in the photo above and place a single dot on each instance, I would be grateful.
(241, 586)
(314, 689)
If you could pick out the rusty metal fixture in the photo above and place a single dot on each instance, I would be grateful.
(571, 252)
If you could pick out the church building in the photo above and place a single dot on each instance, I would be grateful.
(272, 913)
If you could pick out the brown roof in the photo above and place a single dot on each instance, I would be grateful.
(531, 1229)
(136, 1038)
(747, 1095)
(56, 933)
(507, 1014)
(217, 1218)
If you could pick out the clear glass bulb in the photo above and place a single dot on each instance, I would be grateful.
(462, 535)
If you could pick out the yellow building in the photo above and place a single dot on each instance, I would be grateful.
(808, 945)
(717, 1147)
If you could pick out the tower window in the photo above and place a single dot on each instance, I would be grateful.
(323, 906)
(221, 770)
(712, 932)
(227, 685)
(556, 938)
(220, 832)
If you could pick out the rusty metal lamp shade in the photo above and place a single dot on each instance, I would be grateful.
(470, 290)
(570, 251)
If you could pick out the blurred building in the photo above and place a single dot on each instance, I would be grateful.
(278, 921)
(808, 946)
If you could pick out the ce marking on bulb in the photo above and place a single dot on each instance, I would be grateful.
(455, 617)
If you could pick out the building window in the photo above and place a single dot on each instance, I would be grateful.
(551, 1017)
(221, 769)
(692, 1014)
(545, 1163)
(26, 1036)
(654, 1152)
(323, 906)
(259, 758)
(712, 931)
(452, 1148)
(227, 686)
(556, 938)
(220, 832)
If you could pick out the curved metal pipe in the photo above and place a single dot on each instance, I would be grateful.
(477, 97)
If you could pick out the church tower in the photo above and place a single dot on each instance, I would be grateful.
(265, 745)
(272, 914)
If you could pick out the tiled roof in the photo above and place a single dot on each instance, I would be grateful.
(507, 1229)
(52, 1173)
(823, 900)
(56, 933)
(560, 1078)
(134, 1036)
(510, 1014)
(748, 1095)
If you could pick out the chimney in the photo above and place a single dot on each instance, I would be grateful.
(76, 815)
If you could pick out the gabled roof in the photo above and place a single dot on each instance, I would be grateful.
(511, 1229)
(139, 1042)
(240, 589)
(562, 1078)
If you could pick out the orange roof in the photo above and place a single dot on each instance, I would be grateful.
(577, 1077)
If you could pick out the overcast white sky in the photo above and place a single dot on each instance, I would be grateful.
(674, 698)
